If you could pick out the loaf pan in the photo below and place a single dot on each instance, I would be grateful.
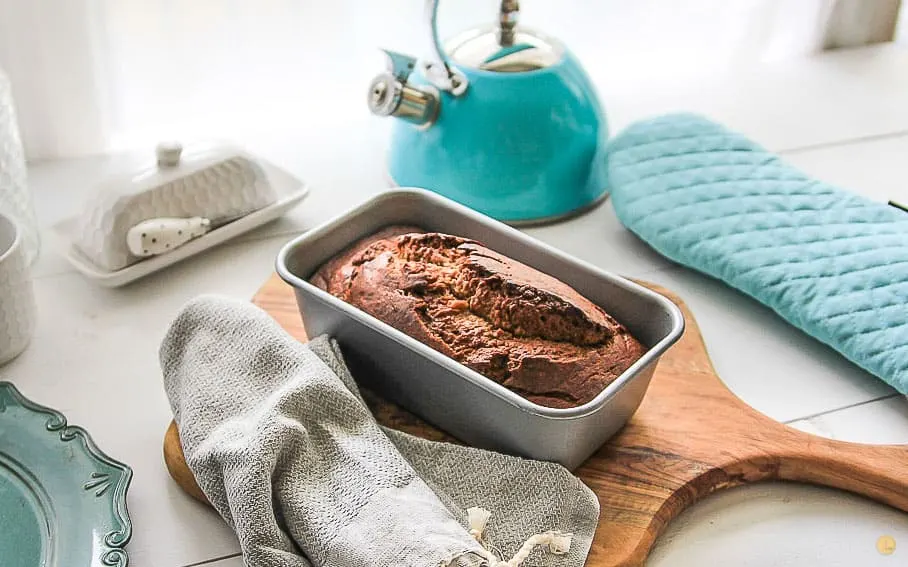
(447, 394)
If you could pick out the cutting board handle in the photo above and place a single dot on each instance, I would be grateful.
(641, 489)
(879, 472)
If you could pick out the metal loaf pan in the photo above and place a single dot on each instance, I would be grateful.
(446, 393)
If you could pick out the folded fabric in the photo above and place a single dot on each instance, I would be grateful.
(830, 262)
(284, 447)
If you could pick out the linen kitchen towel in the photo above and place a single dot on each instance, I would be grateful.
(830, 262)
(286, 450)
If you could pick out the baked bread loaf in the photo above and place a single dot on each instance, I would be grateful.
(511, 323)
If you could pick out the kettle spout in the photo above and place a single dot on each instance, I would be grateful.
(390, 94)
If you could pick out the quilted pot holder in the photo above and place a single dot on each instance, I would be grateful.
(830, 262)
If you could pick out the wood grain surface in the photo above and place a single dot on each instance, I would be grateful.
(690, 437)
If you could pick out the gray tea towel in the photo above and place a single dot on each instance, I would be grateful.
(284, 447)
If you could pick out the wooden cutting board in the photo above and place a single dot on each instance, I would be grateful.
(690, 437)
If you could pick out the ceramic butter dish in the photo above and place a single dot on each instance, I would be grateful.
(208, 183)
(175, 205)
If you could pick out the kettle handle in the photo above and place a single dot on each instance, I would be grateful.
(439, 70)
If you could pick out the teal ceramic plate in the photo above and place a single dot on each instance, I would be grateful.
(62, 500)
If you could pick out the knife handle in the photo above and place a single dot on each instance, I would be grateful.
(158, 236)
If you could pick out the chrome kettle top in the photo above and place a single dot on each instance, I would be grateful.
(502, 47)
(483, 49)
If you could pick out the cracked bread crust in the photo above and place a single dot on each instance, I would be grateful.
(524, 329)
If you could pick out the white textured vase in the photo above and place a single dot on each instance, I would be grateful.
(15, 198)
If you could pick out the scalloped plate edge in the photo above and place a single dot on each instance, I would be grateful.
(116, 540)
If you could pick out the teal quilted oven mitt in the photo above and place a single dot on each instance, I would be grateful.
(830, 262)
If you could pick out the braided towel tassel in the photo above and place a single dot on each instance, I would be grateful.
(557, 542)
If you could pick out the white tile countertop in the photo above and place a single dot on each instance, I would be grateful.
(842, 117)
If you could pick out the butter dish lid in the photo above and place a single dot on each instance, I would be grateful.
(169, 162)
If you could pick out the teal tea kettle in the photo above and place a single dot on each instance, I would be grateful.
(501, 119)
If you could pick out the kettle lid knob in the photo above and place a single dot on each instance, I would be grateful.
(168, 153)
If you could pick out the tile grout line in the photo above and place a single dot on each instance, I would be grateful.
(845, 407)
(213, 560)
(843, 142)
